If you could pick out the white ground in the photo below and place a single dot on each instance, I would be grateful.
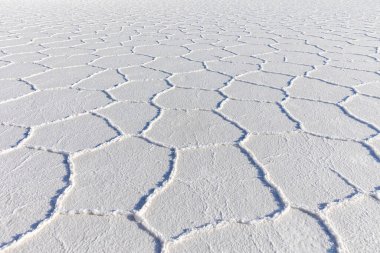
(189, 126)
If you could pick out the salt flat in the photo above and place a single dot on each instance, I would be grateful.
(189, 126)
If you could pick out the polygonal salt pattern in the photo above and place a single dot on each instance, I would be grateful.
(344, 77)
(101, 80)
(63, 77)
(204, 177)
(141, 73)
(111, 171)
(200, 79)
(258, 117)
(119, 61)
(328, 119)
(67, 61)
(33, 181)
(13, 89)
(139, 90)
(371, 89)
(267, 79)
(73, 134)
(287, 68)
(189, 99)
(69, 233)
(46, 106)
(138, 116)
(230, 68)
(161, 50)
(174, 65)
(189, 126)
(356, 222)
(249, 91)
(294, 232)
(19, 70)
(192, 128)
(10, 136)
(365, 108)
(315, 89)
(332, 159)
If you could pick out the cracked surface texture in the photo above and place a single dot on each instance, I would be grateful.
(189, 126)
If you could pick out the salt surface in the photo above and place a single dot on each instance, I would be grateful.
(189, 126)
